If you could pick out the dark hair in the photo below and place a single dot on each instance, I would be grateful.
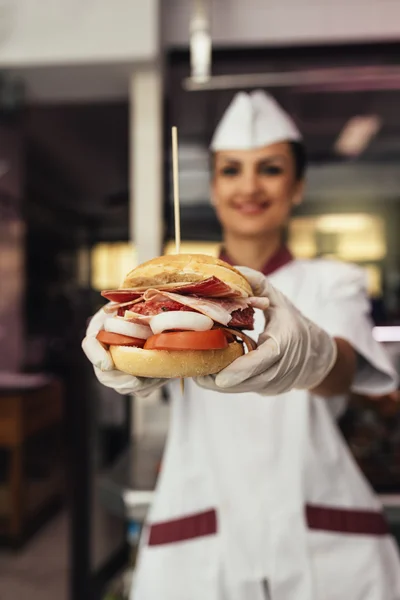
(300, 158)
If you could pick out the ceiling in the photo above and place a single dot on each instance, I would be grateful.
(78, 153)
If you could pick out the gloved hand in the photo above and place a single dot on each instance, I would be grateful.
(104, 367)
(293, 352)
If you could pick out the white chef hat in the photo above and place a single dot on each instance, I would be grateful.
(252, 121)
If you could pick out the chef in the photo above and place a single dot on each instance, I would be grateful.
(259, 497)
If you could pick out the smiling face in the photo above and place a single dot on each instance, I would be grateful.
(253, 191)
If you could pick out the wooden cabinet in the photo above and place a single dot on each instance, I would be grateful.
(31, 466)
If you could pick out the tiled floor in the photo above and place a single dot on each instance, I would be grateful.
(40, 570)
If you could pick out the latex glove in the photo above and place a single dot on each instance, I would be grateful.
(293, 352)
(104, 367)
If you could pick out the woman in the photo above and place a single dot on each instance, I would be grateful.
(258, 496)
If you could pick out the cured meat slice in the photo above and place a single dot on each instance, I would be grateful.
(217, 310)
(209, 288)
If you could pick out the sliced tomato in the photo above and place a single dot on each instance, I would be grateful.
(213, 339)
(117, 339)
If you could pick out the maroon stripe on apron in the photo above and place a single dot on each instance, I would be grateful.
(185, 528)
(342, 520)
(319, 518)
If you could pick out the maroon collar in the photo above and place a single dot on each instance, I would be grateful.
(281, 258)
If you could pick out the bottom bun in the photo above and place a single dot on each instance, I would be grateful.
(173, 363)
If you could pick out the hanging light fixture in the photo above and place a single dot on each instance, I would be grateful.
(200, 43)
(357, 134)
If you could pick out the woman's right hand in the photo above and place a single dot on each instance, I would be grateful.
(104, 367)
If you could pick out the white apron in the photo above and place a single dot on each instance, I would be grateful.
(259, 497)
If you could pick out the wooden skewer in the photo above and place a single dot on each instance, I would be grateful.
(175, 174)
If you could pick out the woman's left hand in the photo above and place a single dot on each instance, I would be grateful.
(292, 353)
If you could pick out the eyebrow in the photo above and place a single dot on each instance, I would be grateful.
(261, 160)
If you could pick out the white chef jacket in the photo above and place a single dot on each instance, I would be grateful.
(259, 497)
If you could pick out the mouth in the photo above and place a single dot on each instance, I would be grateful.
(252, 208)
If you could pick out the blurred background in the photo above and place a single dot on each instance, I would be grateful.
(89, 91)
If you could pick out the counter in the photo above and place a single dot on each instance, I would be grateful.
(127, 489)
(32, 478)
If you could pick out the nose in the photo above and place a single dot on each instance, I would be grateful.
(249, 184)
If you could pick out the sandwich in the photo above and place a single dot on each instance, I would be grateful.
(180, 315)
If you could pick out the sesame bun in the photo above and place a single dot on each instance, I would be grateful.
(171, 364)
(185, 268)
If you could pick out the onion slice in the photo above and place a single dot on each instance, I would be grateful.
(248, 342)
(119, 325)
(180, 320)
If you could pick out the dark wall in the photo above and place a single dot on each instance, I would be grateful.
(11, 246)
(76, 182)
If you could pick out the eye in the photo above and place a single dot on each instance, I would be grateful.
(229, 171)
(270, 170)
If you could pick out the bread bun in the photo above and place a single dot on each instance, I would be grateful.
(185, 268)
(176, 363)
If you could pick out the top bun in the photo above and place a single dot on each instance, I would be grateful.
(185, 268)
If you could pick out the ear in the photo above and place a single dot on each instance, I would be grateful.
(297, 197)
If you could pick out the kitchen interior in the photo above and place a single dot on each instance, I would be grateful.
(79, 457)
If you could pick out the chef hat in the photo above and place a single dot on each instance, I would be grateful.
(252, 121)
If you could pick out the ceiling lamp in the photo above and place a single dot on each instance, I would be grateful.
(200, 43)
(357, 134)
